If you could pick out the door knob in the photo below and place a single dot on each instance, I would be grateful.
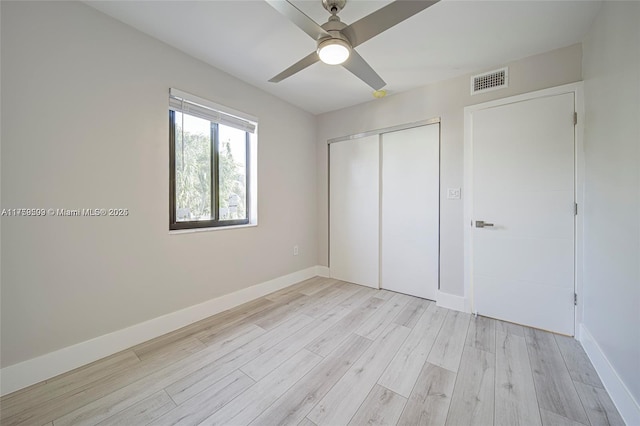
(482, 224)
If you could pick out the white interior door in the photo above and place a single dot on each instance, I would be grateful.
(354, 206)
(523, 184)
(410, 211)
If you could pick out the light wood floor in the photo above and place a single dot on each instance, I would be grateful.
(326, 352)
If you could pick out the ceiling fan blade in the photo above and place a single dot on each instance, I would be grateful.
(303, 63)
(301, 20)
(383, 19)
(361, 69)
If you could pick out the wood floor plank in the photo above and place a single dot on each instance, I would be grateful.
(197, 380)
(412, 312)
(447, 349)
(403, 371)
(232, 320)
(343, 400)
(207, 402)
(482, 334)
(319, 284)
(509, 328)
(515, 403)
(35, 386)
(312, 369)
(283, 294)
(272, 314)
(74, 400)
(330, 339)
(598, 405)
(208, 325)
(232, 337)
(186, 346)
(384, 294)
(553, 419)
(271, 318)
(339, 292)
(244, 309)
(382, 407)
(143, 412)
(184, 378)
(271, 359)
(429, 401)
(376, 323)
(21, 402)
(310, 283)
(472, 402)
(250, 403)
(356, 299)
(98, 409)
(325, 299)
(292, 407)
(306, 305)
(554, 387)
(322, 295)
(578, 364)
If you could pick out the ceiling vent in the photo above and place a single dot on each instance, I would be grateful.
(488, 81)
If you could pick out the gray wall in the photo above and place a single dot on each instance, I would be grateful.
(611, 69)
(447, 100)
(85, 125)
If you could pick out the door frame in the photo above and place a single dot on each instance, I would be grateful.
(577, 90)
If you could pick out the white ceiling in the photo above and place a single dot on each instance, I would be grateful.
(253, 42)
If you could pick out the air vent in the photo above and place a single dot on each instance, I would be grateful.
(488, 81)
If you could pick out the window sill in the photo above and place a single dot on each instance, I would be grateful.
(216, 228)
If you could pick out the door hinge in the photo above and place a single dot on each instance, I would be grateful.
(575, 209)
(575, 118)
(575, 299)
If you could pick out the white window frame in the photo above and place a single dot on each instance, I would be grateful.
(187, 103)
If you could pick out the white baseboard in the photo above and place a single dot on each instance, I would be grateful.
(451, 301)
(21, 375)
(625, 403)
(324, 271)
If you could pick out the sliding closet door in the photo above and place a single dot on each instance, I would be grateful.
(410, 219)
(354, 210)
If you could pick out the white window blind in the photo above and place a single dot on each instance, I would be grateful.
(190, 104)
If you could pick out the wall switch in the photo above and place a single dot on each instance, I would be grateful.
(295, 250)
(453, 193)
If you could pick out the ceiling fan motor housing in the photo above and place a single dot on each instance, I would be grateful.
(334, 26)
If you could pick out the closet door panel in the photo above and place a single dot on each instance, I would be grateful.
(354, 205)
(410, 211)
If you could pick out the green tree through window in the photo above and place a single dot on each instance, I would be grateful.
(193, 175)
(232, 184)
(209, 179)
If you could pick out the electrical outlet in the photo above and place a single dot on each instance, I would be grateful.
(295, 250)
(453, 193)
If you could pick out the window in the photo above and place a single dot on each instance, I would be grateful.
(210, 164)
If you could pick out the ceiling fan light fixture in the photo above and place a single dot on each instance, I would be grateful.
(334, 51)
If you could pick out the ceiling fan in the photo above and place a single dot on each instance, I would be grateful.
(336, 40)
